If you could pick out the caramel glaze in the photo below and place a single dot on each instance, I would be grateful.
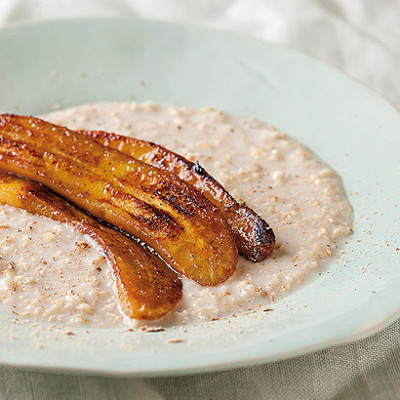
(154, 205)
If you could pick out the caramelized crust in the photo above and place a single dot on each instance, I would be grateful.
(254, 238)
(147, 288)
(186, 229)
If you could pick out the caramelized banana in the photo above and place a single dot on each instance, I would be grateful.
(147, 288)
(254, 238)
(186, 229)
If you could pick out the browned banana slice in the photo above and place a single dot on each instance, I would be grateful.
(254, 238)
(147, 288)
(186, 229)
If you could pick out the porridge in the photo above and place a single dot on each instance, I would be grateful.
(50, 272)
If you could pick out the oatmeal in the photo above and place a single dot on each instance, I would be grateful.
(50, 272)
(298, 195)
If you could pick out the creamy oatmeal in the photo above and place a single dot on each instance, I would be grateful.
(49, 272)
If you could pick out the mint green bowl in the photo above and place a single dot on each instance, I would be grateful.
(356, 132)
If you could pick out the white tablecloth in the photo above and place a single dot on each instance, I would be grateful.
(361, 38)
